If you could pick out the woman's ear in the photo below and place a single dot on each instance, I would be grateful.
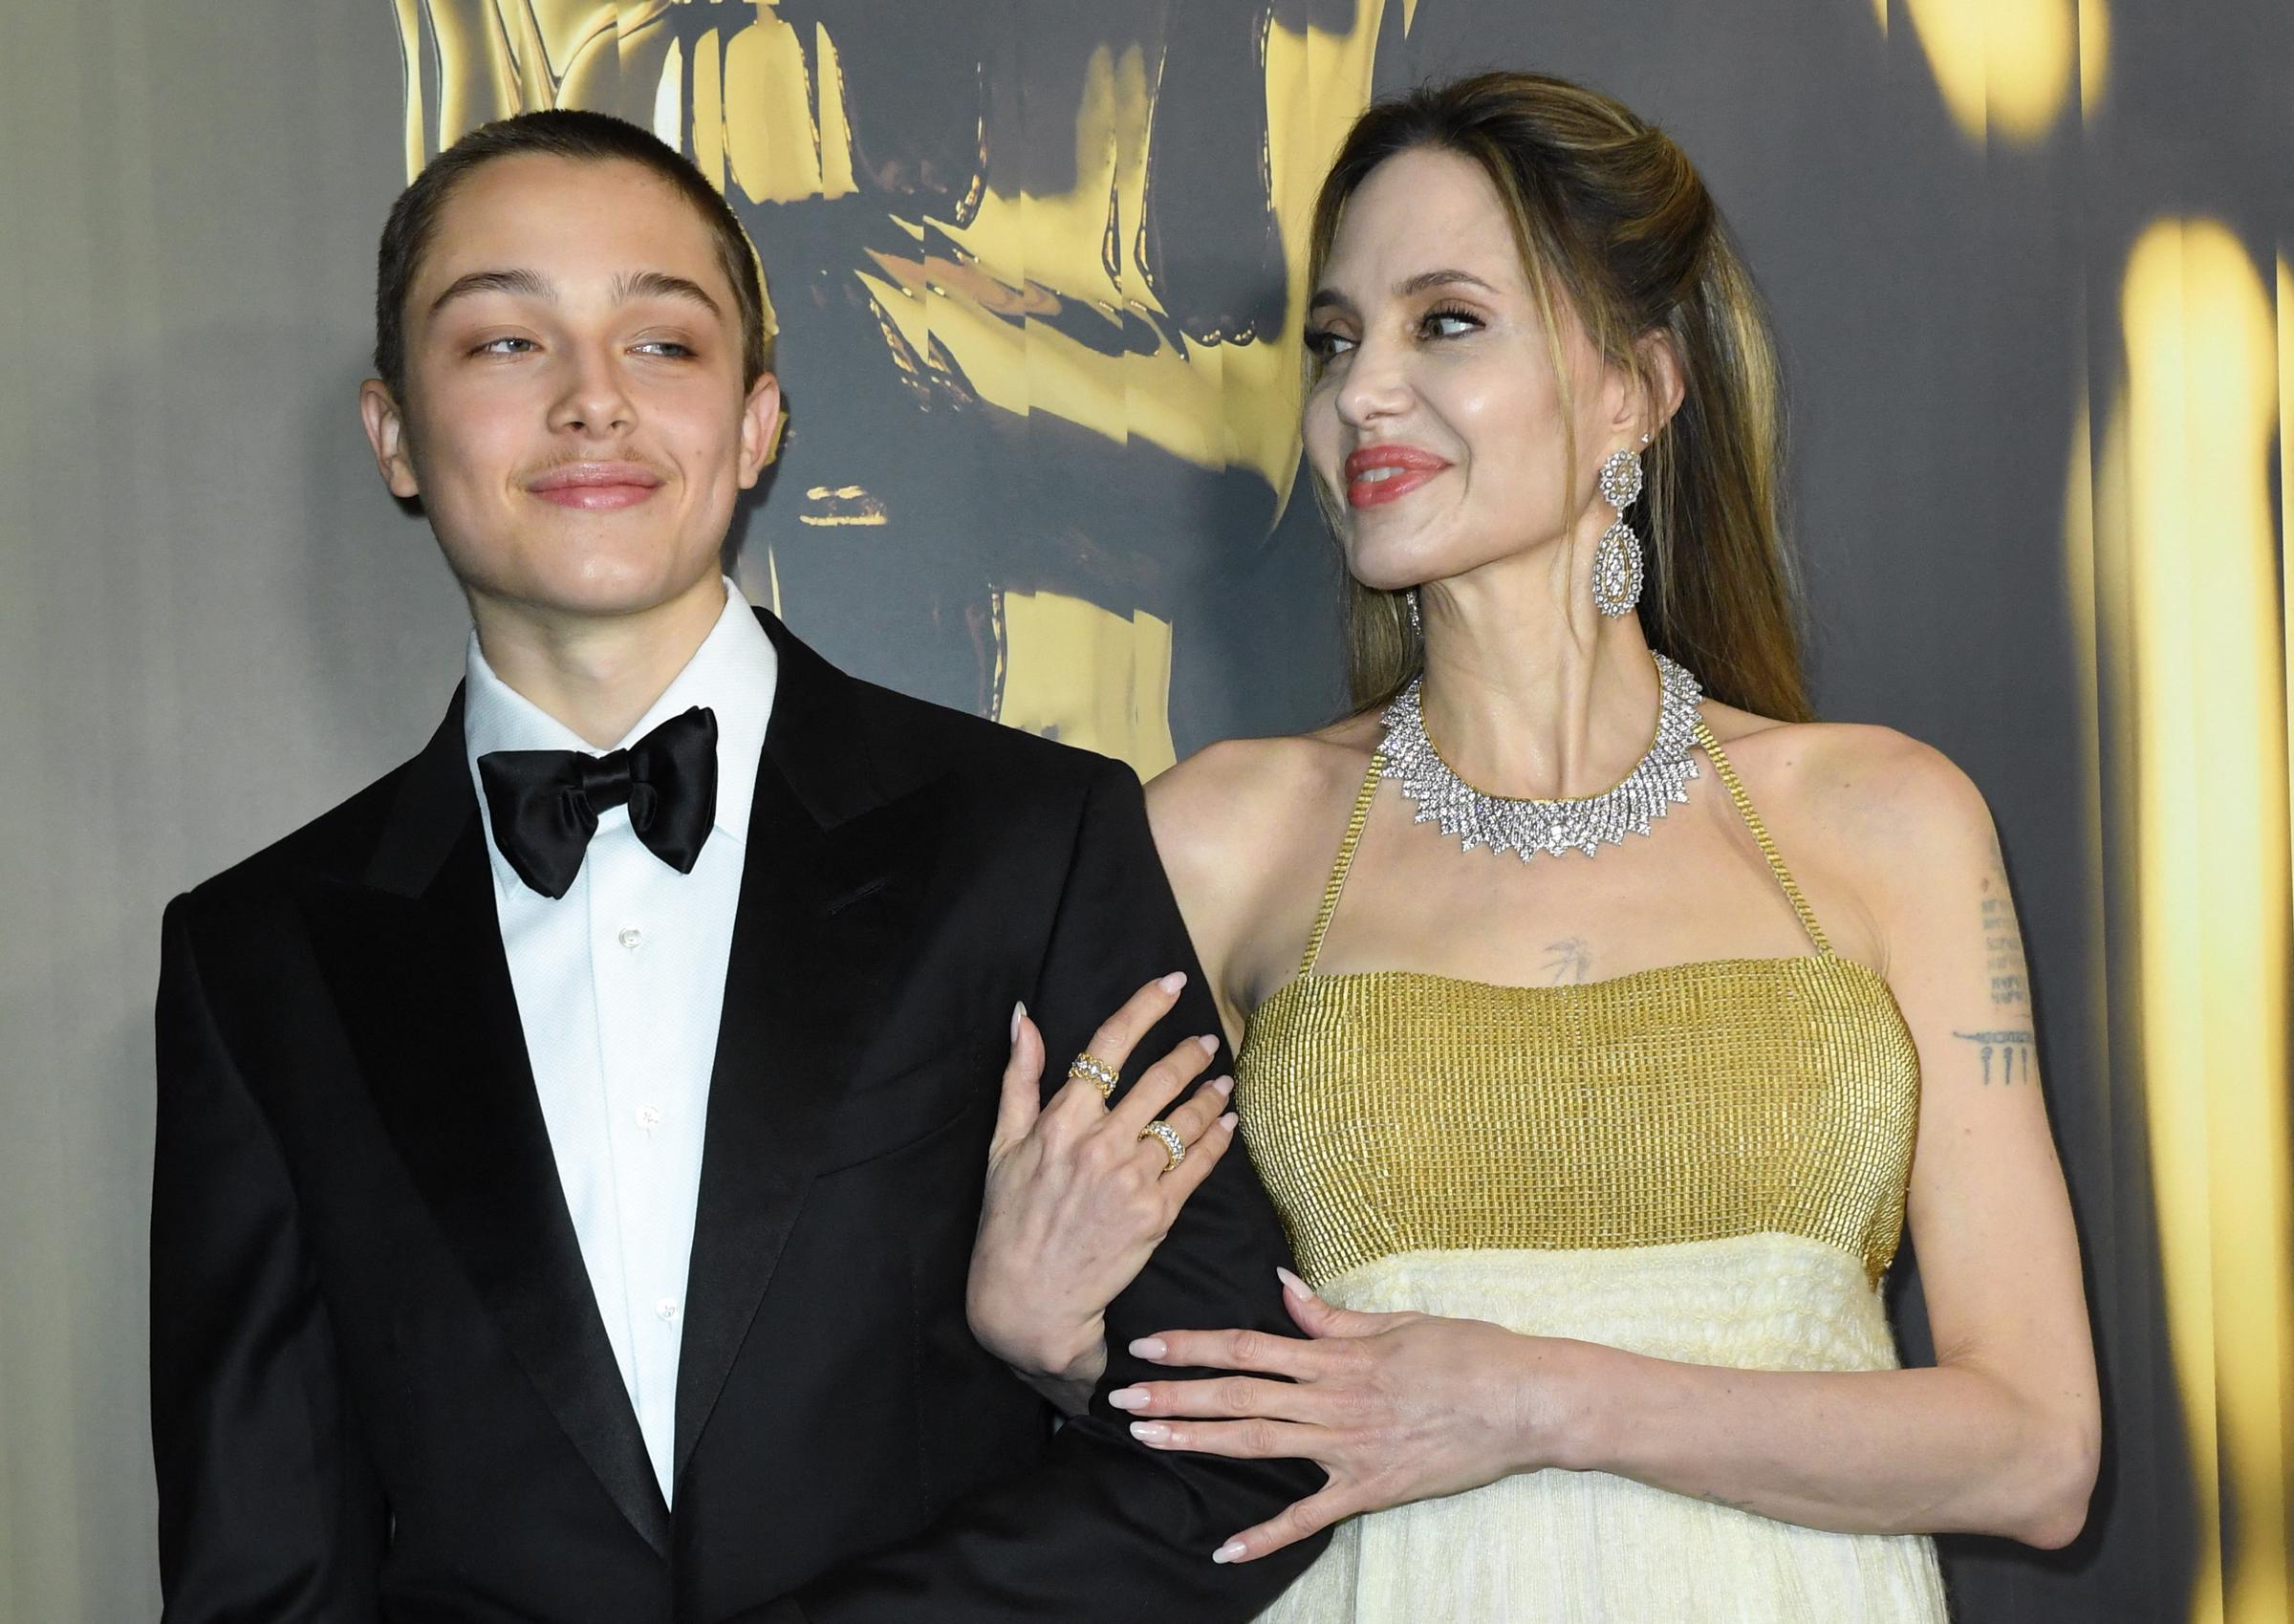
(1662, 382)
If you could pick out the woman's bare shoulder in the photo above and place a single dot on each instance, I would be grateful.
(1868, 796)
(1232, 801)
(1246, 829)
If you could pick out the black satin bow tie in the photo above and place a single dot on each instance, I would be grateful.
(545, 803)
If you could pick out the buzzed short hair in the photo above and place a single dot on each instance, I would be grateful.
(556, 133)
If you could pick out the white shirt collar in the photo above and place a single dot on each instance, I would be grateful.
(734, 672)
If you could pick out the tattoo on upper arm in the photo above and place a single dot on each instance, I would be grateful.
(2004, 947)
(2005, 1046)
(2011, 1048)
(1568, 960)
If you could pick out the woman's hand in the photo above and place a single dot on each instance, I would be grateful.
(1395, 1407)
(1079, 1193)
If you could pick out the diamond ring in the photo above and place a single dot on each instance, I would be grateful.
(1174, 1147)
(1095, 1072)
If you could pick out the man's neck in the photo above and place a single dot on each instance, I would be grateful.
(595, 673)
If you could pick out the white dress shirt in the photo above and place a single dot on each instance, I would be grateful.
(621, 983)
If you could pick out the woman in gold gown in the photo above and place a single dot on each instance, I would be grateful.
(1593, 1159)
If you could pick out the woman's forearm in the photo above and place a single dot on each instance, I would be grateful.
(1947, 1449)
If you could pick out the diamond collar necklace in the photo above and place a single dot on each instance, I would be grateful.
(1528, 827)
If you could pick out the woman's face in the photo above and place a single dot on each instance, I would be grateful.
(1435, 420)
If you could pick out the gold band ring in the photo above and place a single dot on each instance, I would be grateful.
(1174, 1147)
(1095, 1072)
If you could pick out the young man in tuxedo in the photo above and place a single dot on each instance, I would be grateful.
(571, 1147)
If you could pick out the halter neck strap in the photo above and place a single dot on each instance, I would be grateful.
(1761, 837)
(1344, 862)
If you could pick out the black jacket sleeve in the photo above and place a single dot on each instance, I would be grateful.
(1106, 1529)
(268, 1512)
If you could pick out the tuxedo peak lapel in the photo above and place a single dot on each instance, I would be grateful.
(826, 740)
(428, 814)
(828, 888)
(414, 957)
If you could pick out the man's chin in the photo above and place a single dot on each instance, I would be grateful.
(600, 593)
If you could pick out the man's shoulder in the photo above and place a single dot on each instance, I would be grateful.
(944, 741)
(336, 841)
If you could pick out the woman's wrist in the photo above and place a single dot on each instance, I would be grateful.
(1064, 1370)
(1081, 1367)
(1070, 1395)
(1067, 1384)
(1042, 1355)
(1568, 1415)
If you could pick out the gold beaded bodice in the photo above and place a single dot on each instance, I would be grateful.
(1394, 1112)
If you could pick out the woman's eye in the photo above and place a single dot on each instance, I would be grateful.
(1324, 344)
(1448, 323)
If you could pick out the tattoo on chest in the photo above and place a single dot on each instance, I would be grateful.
(1567, 961)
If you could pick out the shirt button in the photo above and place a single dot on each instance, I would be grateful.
(649, 1117)
(666, 1310)
(632, 938)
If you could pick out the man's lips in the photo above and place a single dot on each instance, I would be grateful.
(1379, 474)
(596, 487)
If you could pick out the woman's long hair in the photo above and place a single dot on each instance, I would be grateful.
(1612, 218)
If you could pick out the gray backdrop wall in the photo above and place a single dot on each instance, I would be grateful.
(2026, 258)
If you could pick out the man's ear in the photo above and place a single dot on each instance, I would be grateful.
(760, 425)
(386, 432)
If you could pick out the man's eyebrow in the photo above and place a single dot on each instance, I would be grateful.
(662, 285)
(528, 283)
(524, 283)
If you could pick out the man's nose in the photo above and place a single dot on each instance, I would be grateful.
(595, 399)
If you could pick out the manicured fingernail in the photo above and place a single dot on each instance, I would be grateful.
(1019, 1013)
(1173, 982)
(1211, 1045)
(1228, 1551)
(1128, 1399)
(1147, 1348)
(1228, 1121)
(1223, 1086)
(1150, 1432)
(1293, 1285)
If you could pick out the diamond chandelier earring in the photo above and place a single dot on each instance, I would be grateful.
(1410, 598)
(1618, 560)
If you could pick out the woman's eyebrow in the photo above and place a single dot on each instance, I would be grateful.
(1418, 283)
(1442, 278)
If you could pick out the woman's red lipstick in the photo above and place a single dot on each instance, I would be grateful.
(596, 488)
(1379, 474)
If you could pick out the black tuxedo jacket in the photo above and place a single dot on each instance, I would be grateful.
(380, 1389)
